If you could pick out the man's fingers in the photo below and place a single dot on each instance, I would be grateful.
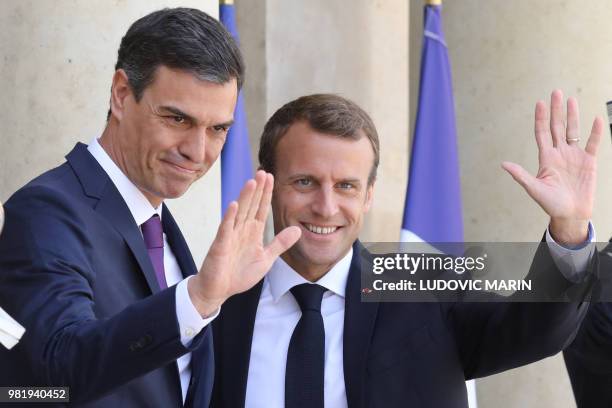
(595, 138)
(260, 179)
(520, 175)
(264, 205)
(283, 241)
(244, 201)
(542, 126)
(573, 122)
(557, 125)
(227, 223)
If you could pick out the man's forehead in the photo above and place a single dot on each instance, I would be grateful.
(302, 135)
(180, 91)
(323, 155)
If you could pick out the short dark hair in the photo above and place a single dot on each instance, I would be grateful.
(180, 38)
(325, 113)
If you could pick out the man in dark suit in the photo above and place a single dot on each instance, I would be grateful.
(92, 262)
(589, 358)
(302, 337)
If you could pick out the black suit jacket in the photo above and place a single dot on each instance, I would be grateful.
(589, 357)
(410, 354)
(74, 271)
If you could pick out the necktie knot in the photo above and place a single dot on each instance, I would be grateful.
(308, 296)
(153, 232)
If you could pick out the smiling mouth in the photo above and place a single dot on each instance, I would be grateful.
(180, 168)
(321, 230)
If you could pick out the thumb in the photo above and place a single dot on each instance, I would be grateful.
(520, 175)
(283, 241)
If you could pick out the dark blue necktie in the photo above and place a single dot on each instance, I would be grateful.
(306, 356)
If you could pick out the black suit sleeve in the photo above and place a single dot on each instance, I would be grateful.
(589, 358)
(593, 344)
(495, 336)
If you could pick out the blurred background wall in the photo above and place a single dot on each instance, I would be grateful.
(58, 58)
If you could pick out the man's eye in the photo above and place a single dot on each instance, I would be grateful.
(178, 119)
(303, 182)
(345, 186)
(220, 128)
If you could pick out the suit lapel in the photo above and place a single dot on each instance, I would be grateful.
(234, 334)
(359, 320)
(202, 363)
(111, 205)
(178, 244)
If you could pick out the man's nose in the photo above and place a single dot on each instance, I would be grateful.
(325, 203)
(193, 147)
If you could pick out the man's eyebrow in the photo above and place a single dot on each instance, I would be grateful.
(300, 175)
(350, 180)
(227, 124)
(177, 111)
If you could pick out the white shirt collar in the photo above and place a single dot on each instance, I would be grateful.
(282, 277)
(138, 204)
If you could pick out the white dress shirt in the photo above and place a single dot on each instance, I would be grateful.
(278, 313)
(190, 321)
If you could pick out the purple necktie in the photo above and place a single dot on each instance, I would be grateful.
(154, 240)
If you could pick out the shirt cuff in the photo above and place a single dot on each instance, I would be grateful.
(10, 330)
(190, 321)
(572, 262)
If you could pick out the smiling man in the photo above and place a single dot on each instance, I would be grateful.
(171, 137)
(92, 262)
(325, 188)
(303, 338)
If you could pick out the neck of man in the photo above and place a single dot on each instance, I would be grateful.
(310, 272)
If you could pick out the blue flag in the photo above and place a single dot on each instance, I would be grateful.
(236, 165)
(432, 211)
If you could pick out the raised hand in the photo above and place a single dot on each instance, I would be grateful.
(237, 258)
(565, 184)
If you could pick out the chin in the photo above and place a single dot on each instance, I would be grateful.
(175, 192)
(318, 257)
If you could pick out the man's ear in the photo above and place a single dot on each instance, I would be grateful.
(369, 196)
(120, 90)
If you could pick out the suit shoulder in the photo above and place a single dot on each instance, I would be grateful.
(56, 187)
(48, 213)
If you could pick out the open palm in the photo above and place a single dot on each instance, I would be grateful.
(565, 183)
(237, 258)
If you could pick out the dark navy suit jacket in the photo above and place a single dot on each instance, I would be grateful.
(74, 271)
(589, 357)
(410, 354)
